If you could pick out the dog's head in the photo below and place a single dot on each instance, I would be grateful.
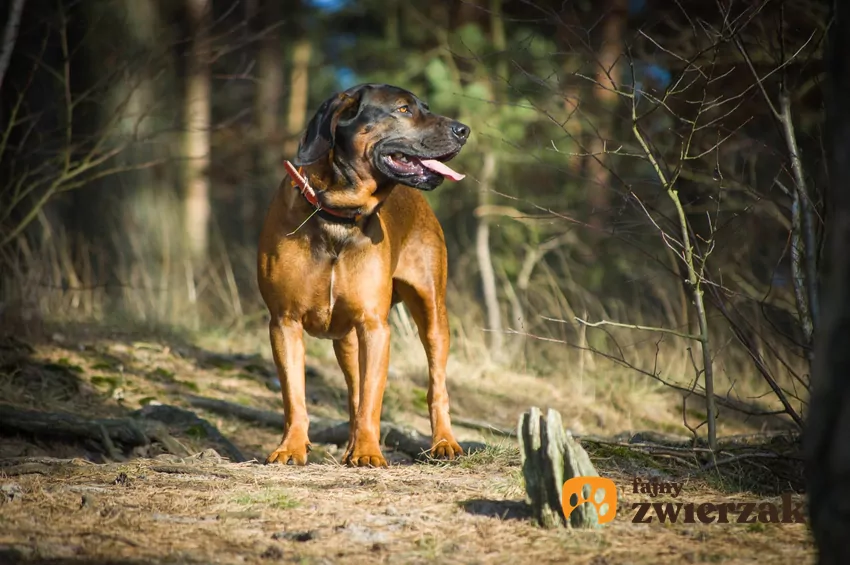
(384, 132)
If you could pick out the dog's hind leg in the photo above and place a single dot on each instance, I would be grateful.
(427, 307)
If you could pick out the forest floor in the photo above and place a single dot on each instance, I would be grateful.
(95, 501)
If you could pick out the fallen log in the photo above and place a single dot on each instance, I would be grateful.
(483, 427)
(63, 425)
(265, 417)
(14, 466)
(179, 420)
(116, 436)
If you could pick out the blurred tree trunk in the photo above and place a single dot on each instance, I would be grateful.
(573, 126)
(299, 81)
(196, 141)
(299, 89)
(608, 60)
(268, 154)
(571, 86)
(131, 36)
(485, 259)
(392, 27)
(146, 199)
(827, 439)
(488, 175)
(10, 36)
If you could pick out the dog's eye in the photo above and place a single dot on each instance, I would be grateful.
(403, 109)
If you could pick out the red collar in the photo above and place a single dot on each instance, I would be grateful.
(310, 196)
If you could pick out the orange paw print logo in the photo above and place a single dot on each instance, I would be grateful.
(603, 495)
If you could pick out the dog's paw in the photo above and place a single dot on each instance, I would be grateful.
(446, 448)
(290, 453)
(367, 457)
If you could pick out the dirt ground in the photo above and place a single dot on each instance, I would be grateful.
(75, 502)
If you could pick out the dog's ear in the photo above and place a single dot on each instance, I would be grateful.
(320, 136)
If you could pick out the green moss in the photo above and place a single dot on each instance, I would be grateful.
(756, 527)
(161, 374)
(64, 364)
(196, 431)
(274, 498)
(190, 385)
(108, 381)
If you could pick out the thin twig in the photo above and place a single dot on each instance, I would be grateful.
(628, 326)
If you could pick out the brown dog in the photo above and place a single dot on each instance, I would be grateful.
(348, 240)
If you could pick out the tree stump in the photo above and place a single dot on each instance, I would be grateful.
(551, 456)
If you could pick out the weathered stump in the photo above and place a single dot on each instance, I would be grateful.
(551, 456)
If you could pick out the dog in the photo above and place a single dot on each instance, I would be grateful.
(347, 237)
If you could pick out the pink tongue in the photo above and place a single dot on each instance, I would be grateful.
(441, 168)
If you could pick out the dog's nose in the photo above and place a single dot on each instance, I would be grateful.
(461, 131)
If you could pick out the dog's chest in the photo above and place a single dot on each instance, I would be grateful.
(318, 318)
(340, 295)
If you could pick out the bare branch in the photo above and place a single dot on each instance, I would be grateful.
(629, 326)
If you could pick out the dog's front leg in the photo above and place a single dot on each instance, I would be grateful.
(287, 341)
(348, 356)
(373, 338)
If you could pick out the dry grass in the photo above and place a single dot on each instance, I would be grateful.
(469, 511)
(325, 513)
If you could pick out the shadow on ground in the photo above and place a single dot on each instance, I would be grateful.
(77, 399)
(15, 557)
(67, 397)
(501, 509)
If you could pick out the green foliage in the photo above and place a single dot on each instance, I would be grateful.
(420, 399)
(470, 39)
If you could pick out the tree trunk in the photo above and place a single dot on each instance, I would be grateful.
(485, 261)
(571, 89)
(608, 59)
(196, 141)
(299, 87)
(137, 111)
(488, 174)
(392, 25)
(828, 423)
(573, 126)
(10, 36)
(268, 152)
